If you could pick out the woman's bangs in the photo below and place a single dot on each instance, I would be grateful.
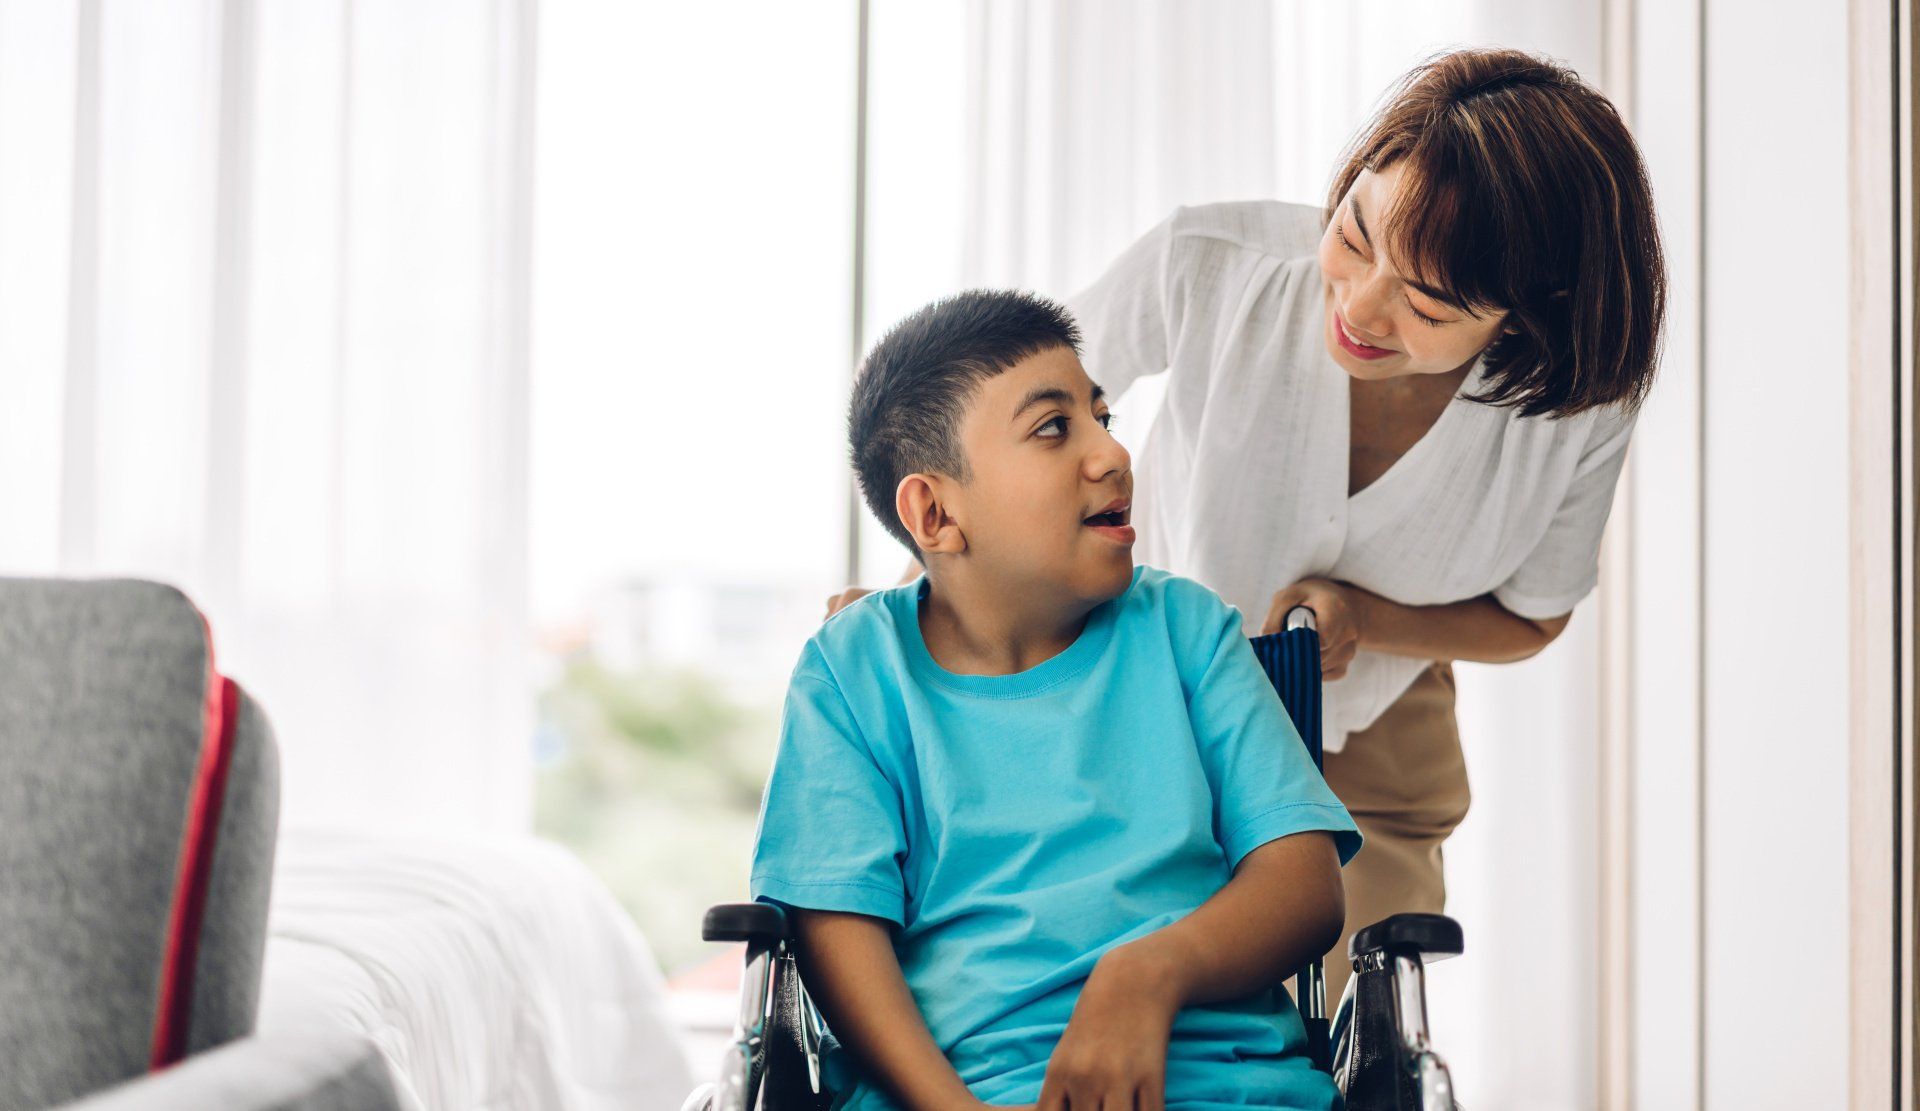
(1438, 233)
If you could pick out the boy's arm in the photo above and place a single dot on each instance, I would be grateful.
(1283, 907)
(848, 963)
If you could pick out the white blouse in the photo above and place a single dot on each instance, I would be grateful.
(1242, 481)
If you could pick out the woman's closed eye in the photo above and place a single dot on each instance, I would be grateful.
(1340, 233)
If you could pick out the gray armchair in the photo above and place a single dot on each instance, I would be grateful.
(139, 799)
(327, 1069)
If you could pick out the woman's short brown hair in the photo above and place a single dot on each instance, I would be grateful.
(1524, 192)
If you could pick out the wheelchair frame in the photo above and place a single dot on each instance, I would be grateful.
(1377, 1047)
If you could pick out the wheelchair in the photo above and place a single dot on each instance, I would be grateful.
(1376, 1047)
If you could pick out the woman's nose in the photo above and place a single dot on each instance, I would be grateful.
(1366, 309)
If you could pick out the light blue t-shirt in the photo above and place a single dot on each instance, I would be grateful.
(1016, 827)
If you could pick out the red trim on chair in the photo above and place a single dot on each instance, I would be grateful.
(175, 1016)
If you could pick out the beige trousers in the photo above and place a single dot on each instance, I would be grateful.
(1405, 782)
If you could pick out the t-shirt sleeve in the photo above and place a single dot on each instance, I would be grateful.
(1265, 786)
(831, 834)
(1126, 316)
(1565, 565)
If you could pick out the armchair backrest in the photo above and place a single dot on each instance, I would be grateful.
(139, 800)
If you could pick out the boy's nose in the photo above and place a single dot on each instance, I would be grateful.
(1109, 458)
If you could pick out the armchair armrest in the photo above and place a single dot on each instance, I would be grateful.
(316, 1069)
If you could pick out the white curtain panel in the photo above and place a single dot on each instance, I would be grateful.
(1089, 120)
(262, 335)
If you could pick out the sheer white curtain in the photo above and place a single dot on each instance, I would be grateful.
(262, 335)
(1089, 121)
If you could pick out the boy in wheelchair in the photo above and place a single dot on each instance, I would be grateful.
(1042, 826)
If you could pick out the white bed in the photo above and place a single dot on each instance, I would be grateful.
(493, 973)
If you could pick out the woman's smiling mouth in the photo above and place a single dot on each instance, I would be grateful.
(1352, 345)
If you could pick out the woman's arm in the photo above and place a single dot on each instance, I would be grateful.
(850, 969)
(1478, 629)
(1350, 618)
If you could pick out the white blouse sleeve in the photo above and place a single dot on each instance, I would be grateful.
(1565, 565)
(1126, 317)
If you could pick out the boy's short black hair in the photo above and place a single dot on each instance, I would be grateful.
(913, 387)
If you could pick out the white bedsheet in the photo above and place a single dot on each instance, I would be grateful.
(493, 973)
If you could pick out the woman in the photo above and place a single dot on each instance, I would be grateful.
(1407, 411)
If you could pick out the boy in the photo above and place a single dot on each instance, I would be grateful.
(1045, 830)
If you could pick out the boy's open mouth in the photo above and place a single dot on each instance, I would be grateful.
(1115, 513)
(1112, 521)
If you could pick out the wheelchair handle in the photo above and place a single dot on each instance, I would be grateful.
(763, 924)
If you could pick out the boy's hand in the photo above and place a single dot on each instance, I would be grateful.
(1114, 1051)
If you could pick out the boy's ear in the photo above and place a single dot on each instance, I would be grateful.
(920, 502)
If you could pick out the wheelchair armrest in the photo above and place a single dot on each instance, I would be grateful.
(1432, 937)
(761, 922)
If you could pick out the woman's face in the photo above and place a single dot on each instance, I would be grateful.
(1380, 324)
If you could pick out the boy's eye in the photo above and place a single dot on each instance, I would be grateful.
(1060, 423)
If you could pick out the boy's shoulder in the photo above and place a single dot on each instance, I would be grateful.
(863, 636)
(1156, 585)
(1192, 613)
(1193, 625)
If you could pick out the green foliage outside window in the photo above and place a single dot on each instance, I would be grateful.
(654, 779)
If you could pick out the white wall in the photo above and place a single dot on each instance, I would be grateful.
(1664, 469)
(1740, 473)
(1775, 552)
(1516, 1015)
